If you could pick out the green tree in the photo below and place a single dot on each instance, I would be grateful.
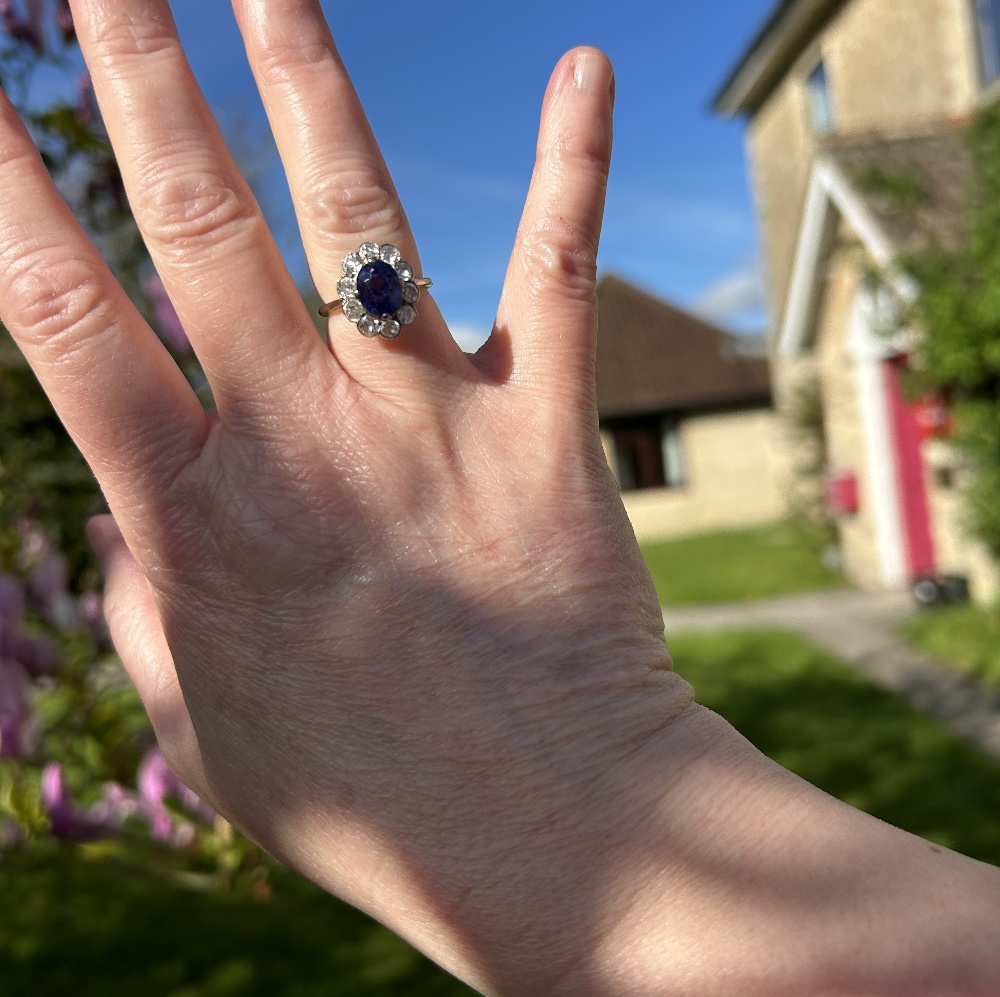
(70, 724)
(958, 312)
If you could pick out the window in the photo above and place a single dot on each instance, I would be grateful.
(820, 100)
(648, 454)
(988, 37)
(627, 459)
(673, 456)
(637, 450)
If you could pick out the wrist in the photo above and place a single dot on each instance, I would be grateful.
(746, 880)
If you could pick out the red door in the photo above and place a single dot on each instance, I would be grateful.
(910, 481)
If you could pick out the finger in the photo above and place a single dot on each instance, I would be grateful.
(548, 311)
(114, 385)
(132, 618)
(340, 184)
(201, 223)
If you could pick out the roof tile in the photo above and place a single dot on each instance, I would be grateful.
(653, 357)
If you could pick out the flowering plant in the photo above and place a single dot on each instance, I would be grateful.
(78, 760)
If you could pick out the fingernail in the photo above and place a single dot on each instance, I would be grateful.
(592, 72)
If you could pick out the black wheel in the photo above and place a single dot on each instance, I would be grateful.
(928, 592)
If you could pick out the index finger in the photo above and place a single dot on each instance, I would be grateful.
(114, 385)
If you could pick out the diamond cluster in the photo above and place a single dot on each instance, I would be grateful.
(378, 290)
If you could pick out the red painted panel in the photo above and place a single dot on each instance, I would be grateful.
(910, 482)
(842, 496)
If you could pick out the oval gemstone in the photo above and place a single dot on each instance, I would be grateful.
(379, 288)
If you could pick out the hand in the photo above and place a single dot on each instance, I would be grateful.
(384, 607)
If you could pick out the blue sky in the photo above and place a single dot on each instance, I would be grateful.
(454, 98)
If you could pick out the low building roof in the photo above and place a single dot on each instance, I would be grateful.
(793, 24)
(653, 357)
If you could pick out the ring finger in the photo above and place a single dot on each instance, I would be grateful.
(340, 184)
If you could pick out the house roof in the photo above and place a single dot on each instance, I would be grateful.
(653, 357)
(793, 24)
(917, 186)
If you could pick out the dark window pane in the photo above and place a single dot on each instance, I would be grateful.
(639, 455)
(628, 473)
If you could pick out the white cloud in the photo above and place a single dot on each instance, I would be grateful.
(469, 337)
(736, 296)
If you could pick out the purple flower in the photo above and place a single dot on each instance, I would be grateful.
(170, 328)
(17, 727)
(49, 578)
(63, 814)
(34, 543)
(48, 585)
(37, 654)
(90, 610)
(155, 783)
(28, 27)
(69, 821)
(11, 602)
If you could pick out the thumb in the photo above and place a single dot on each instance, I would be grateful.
(134, 621)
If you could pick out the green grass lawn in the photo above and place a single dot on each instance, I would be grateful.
(104, 925)
(90, 922)
(818, 718)
(735, 566)
(966, 637)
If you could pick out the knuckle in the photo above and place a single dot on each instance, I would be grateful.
(282, 64)
(59, 306)
(179, 210)
(355, 201)
(15, 162)
(126, 442)
(118, 34)
(570, 152)
(554, 252)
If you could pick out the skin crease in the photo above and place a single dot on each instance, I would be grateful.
(384, 607)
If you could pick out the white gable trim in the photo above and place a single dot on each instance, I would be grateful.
(829, 191)
(870, 349)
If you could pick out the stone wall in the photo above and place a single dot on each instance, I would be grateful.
(833, 361)
(845, 428)
(738, 472)
(955, 551)
(892, 66)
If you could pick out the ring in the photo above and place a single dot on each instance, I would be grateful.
(378, 291)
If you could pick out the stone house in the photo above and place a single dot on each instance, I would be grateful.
(855, 114)
(686, 418)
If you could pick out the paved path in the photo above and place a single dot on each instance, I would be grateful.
(859, 628)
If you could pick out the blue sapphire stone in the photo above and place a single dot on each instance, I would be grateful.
(380, 290)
